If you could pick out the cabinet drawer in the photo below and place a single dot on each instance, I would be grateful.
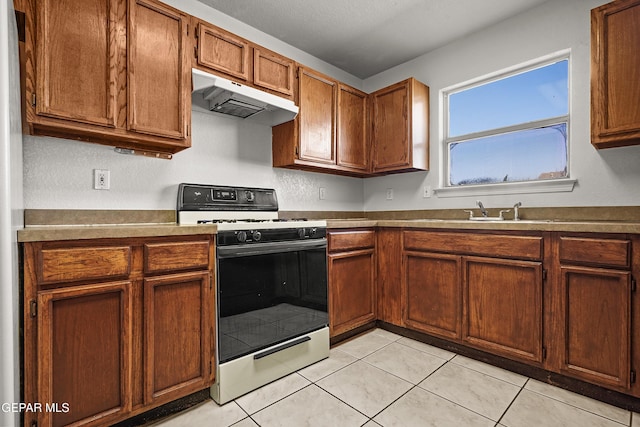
(159, 257)
(350, 240)
(492, 245)
(83, 263)
(601, 252)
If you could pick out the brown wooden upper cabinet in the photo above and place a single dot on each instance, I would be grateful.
(159, 82)
(615, 88)
(400, 127)
(330, 132)
(223, 53)
(343, 130)
(352, 135)
(273, 72)
(113, 72)
(317, 122)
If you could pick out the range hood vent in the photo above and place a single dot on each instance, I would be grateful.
(223, 96)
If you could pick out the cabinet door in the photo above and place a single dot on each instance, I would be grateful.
(222, 51)
(615, 88)
(158, 71)
(391, 136)
(389, 276)
(76, 60)
(433, 293)
(84, 353)
(272, 71)
(317, 118)
(595, 315)
(352, 297)
(178, 330)
(352, 136)
(502, 307)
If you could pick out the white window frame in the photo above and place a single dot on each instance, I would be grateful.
(533, 186)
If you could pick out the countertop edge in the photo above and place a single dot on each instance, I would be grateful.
(533, 225)
(83, 232)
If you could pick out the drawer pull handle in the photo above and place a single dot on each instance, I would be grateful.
(281, 347)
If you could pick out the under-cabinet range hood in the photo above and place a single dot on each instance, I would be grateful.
(223, 96)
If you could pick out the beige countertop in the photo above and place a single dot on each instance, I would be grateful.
(78, 232)
(522, 225)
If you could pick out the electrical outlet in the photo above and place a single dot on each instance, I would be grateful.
(322, 193)
(389, 193)
(427, 192)
(101, 179)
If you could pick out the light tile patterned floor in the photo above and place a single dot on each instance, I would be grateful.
(383, 379)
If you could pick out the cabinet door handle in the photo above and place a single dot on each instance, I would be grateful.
(33, 308)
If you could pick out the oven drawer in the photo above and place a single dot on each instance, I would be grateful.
(240, 376)
(172, 256)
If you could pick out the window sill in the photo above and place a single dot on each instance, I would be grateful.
(548, 186)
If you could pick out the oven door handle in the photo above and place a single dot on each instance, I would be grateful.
(235, 251)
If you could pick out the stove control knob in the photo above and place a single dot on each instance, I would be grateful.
(313, 231)
(257, 236)
(250, 196)
(302, 233)
(241, 236)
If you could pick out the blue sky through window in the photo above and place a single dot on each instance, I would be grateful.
(533, 95)
(536, 149)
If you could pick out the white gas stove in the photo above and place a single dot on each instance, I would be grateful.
(271, 286)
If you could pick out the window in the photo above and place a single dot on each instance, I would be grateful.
(513, 128)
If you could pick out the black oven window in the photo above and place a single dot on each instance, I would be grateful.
(267, 299)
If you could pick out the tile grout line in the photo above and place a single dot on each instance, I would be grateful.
(578, 407)
(274, 402)
(349, 405)
(448, 400)
(414, 386)
(512, 401)
(358, 359)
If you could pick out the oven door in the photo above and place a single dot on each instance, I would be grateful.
(269, 293)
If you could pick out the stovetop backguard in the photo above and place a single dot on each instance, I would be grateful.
(201, 197)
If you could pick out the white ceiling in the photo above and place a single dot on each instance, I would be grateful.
(365, 37)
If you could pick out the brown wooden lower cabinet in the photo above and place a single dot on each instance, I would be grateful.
(84, 353)
(502, 306)
(490, 303)
(596, 315)
(389, 289)
(102, 350)
(433, 299)
(595, 299)
(177, 335)
(352, 291)
(564, 302)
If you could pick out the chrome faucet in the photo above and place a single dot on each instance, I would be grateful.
(482, 209)
(516, 214)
